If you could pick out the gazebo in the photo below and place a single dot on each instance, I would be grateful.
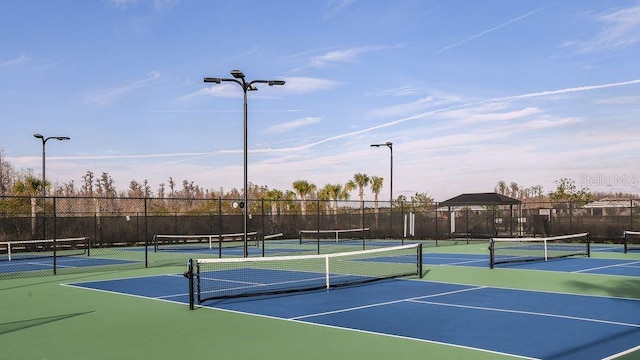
(489, 201)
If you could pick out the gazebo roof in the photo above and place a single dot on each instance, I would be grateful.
(480, 199)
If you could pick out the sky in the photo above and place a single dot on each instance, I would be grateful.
(469, 92)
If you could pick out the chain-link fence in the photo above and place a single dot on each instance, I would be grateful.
(121, 231)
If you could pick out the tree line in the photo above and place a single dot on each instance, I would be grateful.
(25, 183)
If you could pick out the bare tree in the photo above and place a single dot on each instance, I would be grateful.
(87, 186)
(7, 174)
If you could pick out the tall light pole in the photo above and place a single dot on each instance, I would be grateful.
(388, 144)
(239, 78)
(44, 178)
(44, 191)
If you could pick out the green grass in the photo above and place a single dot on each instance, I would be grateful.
(42, 319)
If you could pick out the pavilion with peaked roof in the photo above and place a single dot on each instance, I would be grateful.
(480, 199)
(489, 201)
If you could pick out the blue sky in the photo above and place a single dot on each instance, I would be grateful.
(469, 92)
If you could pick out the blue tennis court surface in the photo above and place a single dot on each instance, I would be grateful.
(46, 263)
(525, 324)
(572, 264)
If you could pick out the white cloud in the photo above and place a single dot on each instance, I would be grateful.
(308, 84)
(157, 4)
(105, 97)
(218, 90)
(621, 100)
(336, 6)
(621, 28)
(491, 114)
(293, 85)
(399, 91)
(431, 101)
(288, 126)
(546, 123)
(20, 59)
(342, 56)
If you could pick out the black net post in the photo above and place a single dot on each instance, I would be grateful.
(189, 276)
(491, 254)
(420, 260)
(626, 248)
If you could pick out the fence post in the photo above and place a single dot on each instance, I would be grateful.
(570, 216)
(55, 243)
(318, 229)
(146, 233)
(261, 237)
(631, 214)
(220, 215)
(391, 219)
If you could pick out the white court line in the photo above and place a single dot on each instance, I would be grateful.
(607, 267)
(605, 248)
(615, 356)
(527, 313)
(385, 303)
(465, 262)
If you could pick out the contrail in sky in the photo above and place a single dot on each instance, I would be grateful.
(451, 46)
(192, 156)
(480, 102)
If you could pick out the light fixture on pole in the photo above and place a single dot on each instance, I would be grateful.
(44, 191)
(239, 78)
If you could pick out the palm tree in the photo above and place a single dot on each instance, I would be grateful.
(346, 191)
(273, 196)
(304, 189)
(376, 187)
(361, 181)
(333, 192)
(325, 196)
(30, 186)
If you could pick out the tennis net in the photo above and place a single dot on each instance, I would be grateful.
(198, 242)
(333, 235)
(631, 240)
(512, 250)
(239, 277)
(35, 249)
